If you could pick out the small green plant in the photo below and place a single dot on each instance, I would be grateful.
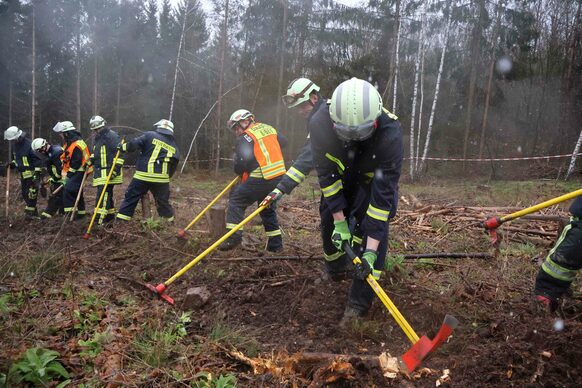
(394, 263)
(152, 223)
(367, 329)
(38, 366)
(517, 249)
(94, 345)
(224, 334)
(182, 323)
(206, 380)
(439, 226)
(155, 347)
(85, 321)
(42, 264)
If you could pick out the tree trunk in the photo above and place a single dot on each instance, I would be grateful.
(393, 49)
(220, 86)
(436, 95)
(118, 92)
(257, 91)
(217, 221)
(33, 108)
(281, 65)
(95, 80)
(307, 9)
(473, 76)
(78, 69)
(10, 103)
(490, 79)
(415, 94)
(178, 59)
(417, 154)
(396, 62)
(574, 156)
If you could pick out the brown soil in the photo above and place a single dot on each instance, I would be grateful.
(275, 309)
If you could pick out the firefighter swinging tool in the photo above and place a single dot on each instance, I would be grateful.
(494, 222)
(182, 232)
(421, 347)
(160, 289)
(100, 200)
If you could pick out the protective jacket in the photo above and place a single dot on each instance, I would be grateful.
(303, 164)
(258, 153)
(158, 158)
(27, 162)
(373, 165)
(104, 151)
(53, 164)
(75, 155)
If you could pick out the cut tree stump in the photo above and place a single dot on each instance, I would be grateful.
(217, 221)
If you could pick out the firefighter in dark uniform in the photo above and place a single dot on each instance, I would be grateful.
(357, 152)
(104, 151)
(74, 159)
(258, 159)
(28, 165)
(303, 95)
(155, 165)
(54, 167)
(562, 263)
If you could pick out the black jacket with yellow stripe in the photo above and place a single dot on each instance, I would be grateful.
(344, 169)
(104, 151)
(53, 164)
(27, 162)
(158, 158)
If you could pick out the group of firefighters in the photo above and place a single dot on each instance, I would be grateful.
(354, 144)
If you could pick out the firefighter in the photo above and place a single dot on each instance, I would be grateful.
(357, 153)
(302, 95)
(562, 263)
(104, 151)
(74, 158)
(258, 159)
(29, 166)
(156, 164)
(54, 168)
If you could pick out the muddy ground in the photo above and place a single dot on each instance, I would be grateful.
(86, 299)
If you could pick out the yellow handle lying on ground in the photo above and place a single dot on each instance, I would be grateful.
(398, 317)
(98, 207)
(542, 205)
(213, 246)
(234, 181)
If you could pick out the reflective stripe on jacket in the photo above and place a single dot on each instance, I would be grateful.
(70, 163)
(26, 160)
(267, 151)
(104, 151)
(159, 155)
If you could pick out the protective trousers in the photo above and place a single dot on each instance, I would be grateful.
(70, 192)
(562, 263)
(106, 210)
(55, 202)
(136, 189)
(361, 295)
(254, 190)
(30, 195)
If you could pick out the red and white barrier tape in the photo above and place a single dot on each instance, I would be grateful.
(499, 159)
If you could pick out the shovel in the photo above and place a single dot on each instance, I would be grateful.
(98, 207)
(161, 288)
(81, 187)
(182, 232)
(421, 347)
(494, 222)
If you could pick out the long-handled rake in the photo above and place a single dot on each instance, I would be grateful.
(421, 347)
(182, 232)
(100, 200)
(494, 222)
(160, 289)
(79, 194)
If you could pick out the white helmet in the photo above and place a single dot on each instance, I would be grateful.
(238, 116)
(12, 133)
(64, 126)
(97, 122)
(38, 144)
(164, 126)
(299, 91)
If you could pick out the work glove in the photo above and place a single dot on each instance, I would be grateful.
(272, 198)
(363, 269)
(341, 233)
(116, 171)
(90, 161)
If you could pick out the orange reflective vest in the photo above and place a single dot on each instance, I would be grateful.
(267, 151)
(66, 157)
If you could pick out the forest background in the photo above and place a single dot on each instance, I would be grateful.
(468, 79)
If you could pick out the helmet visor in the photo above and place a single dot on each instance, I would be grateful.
(355, 132)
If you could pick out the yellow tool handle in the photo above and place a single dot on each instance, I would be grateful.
(212, 203)
(398, 317)
(542, 205)
(98, 207)
(213, 246)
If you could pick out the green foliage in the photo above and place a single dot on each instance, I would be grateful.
(439, 226)
(206, 380)
(94, 345)
(152, 223)
(42, 264)
(394, 263)
(226, 335)
(38, 366)
(181, 325)
(519, 250)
